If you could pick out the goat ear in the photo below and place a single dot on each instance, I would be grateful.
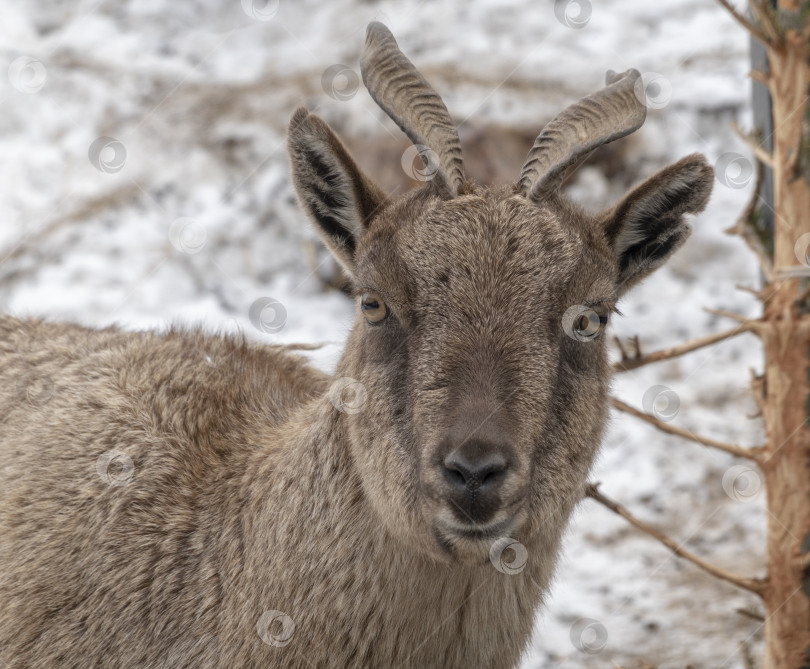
(336, 195)
(648, 225)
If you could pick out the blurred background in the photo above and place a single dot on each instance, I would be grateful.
(145, 182)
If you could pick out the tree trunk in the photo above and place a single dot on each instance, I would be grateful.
(786, 338)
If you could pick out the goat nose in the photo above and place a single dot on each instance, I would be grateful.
(474, 469)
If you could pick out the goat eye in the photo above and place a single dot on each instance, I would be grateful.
(589, 324)
(373, 308)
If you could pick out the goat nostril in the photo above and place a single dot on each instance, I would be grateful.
(456, 476)
(473, 474)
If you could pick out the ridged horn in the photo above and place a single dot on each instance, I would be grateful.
(615, 111)
(410, 101)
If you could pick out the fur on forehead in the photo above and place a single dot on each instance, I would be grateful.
(420, 239)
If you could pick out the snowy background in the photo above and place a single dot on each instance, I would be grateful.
(144, 182)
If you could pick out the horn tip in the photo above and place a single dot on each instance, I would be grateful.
(377, 31)
(612, 77)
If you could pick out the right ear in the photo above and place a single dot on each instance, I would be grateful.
(336, 195)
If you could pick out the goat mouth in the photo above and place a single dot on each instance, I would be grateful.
(474, 532)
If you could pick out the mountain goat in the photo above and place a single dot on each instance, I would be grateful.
(180, 500)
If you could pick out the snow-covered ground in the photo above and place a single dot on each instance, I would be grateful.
(144, 182)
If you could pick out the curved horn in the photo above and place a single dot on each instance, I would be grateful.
(615, 111)
(411, 102)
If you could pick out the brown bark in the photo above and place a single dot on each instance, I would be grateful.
(786, 339)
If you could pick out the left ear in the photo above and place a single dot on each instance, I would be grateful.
(648, 225)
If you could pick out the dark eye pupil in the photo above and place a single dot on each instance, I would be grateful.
(371, 305)
(590, 324)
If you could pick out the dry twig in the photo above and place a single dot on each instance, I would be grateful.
(750, 584)
(755, 31)
(759, 151)
(733, 316)
(627, 362)
(739, 451)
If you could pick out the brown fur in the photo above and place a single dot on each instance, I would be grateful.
(251, 492)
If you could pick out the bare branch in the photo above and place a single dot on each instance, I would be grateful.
(759, 294)
(750, 584)
(764, 14)
(627, 363)
(762, 155)
(754, 615)
(732, 315)
(745, 23)
(739, 451)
